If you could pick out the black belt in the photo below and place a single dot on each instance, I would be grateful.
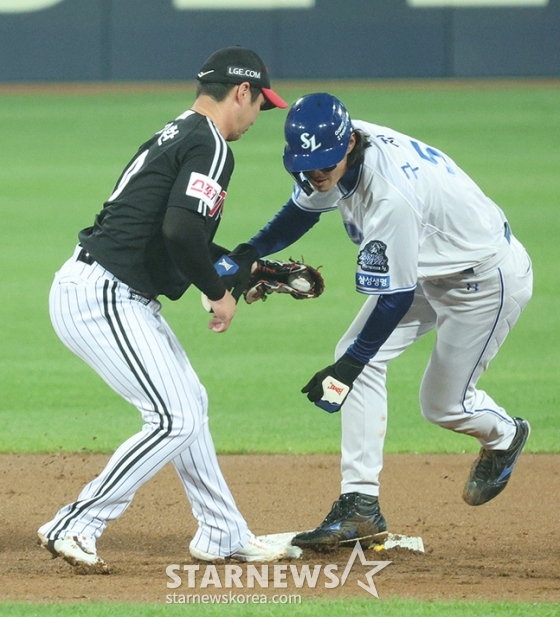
(86, 257)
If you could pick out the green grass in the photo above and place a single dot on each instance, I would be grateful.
(60, 158)
(308, 608)
(61, 155)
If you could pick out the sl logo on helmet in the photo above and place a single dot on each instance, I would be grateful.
(309, 142)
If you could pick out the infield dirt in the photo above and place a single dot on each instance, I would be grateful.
(508, 549)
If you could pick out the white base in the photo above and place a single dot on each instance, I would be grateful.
(393, 540)
(410, 542)
(284, 539)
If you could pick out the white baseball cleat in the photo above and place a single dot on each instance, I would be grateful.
(79, 551)
(254, 550)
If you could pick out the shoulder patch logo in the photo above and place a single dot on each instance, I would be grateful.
(372, 257)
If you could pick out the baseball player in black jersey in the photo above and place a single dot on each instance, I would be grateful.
(154, 237)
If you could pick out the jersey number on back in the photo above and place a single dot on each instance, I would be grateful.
(431, 155)
(133, 168)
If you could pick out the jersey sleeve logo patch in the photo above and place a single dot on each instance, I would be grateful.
(371, 283)
(372, 257)
(208, 191)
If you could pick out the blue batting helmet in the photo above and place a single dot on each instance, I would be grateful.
(317, 131)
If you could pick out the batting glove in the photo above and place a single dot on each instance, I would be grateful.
(235, 268)
(329, 388)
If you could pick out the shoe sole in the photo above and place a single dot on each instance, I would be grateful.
(47, 545)
(208, 558)
(333, 544)
(205, 557)
(80, 567)
(238, 558)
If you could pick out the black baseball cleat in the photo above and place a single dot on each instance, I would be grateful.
(354, 516)
(492, 469)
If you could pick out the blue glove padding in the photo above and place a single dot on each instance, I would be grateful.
(329, 388)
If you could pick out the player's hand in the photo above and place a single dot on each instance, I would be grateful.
(329, 388)
(222, 312)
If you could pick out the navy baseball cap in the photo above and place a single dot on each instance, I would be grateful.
(234, 65)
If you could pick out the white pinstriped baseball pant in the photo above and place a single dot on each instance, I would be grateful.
(472, 315)
(123, 337)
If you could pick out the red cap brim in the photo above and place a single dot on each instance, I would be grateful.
(272, 99)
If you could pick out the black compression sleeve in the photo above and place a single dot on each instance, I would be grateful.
(185, 236)
(217, 251)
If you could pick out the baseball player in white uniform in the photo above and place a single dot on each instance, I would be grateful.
(154, 237)
(434, 252)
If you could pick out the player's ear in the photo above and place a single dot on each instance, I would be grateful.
(243, 92)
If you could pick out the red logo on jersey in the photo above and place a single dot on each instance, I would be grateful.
(217, 209)
(208, 191)
(204, 189)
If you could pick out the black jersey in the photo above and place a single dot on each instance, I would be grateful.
(187, 164)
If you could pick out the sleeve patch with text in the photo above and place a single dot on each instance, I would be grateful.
(368, 282)
(207, 190)
(373, 268)
(372, 257)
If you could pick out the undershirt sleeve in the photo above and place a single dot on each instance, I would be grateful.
(185, 237)
(217, 251)
(384, 318)
(289, 225)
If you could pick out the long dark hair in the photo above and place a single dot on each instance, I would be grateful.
(356, 157)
